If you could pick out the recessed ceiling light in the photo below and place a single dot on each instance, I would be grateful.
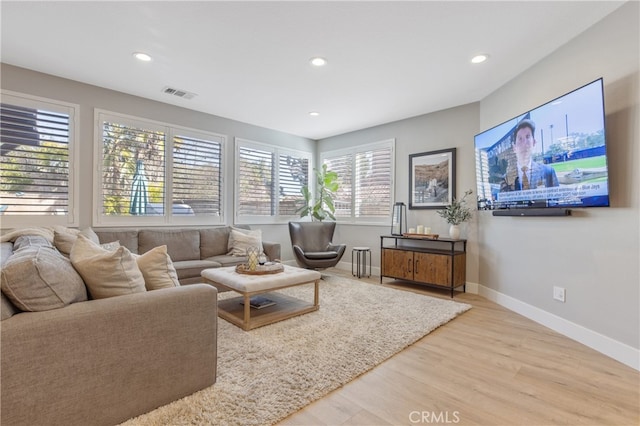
(314, 113)
(142, 56)
(479, 58)
(318, 61)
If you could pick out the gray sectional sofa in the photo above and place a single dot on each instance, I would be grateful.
(191, 249)
(103, 361)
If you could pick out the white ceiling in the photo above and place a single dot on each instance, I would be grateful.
(249, 61)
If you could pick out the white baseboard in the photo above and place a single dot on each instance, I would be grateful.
(471, 288)
(346, 266)
(612, 348)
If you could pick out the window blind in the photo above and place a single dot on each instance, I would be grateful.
(343, 166)
(365, 176)
(373, 183)
(126, 150)
(255, 182)
(269, 180)
(156, 173)
(35, 160)
(293, 174)
(197, 176)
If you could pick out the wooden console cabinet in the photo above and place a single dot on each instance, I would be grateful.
(437, 263)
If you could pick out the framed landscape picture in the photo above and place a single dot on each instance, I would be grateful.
(432, 179)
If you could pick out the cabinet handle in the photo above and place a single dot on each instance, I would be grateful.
(409, 265)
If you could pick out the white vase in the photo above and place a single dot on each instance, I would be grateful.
(454, 232)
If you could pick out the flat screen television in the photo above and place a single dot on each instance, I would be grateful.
(551, 157)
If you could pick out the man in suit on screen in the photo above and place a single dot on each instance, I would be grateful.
(526, 173)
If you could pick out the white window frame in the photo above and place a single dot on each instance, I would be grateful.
(170, 131)
(374, 220)
(277, 151)
(71, 219)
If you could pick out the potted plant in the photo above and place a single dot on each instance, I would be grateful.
(456, 213)
(322, 206)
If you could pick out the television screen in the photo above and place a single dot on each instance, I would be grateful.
(553, 156)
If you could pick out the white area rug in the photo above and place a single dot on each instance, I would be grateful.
(270, 372)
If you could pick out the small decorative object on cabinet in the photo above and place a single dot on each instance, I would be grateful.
(399, 219)
(454, 232)
(456, 213)
(438, 263)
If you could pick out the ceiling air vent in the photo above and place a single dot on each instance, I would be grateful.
(178, 92)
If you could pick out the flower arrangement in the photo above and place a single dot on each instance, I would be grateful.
(458, 211)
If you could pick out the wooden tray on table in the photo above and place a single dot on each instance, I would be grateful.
(267, 268)
(421, 236)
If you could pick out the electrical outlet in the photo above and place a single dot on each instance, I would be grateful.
(559, 293)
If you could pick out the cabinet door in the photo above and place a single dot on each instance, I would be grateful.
(433, 268)
(397, 264)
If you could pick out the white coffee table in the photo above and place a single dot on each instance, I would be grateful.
(285, 306)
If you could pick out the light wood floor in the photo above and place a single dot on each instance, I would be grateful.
(489, 366)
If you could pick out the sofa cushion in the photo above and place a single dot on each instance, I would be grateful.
(241, 239)
(127, 238)
(40, 278)
(192, 268)
(214, 241)
(227, 260)
(106, 273)
(183, 244)
(7, 309)
(157, 269)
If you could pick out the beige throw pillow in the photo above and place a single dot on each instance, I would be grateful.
(106, 273)
(157, 268)
(241, 239)
(64, 238)
(40, 278)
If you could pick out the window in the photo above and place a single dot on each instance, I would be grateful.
(38, 185)
(268, 181)
(154, 173)
(366, 181)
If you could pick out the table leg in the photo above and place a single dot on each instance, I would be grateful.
(247, 311)
(352, 253)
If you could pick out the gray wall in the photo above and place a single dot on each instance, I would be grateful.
(593, 254)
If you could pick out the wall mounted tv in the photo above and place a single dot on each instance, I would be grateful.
(547, 160)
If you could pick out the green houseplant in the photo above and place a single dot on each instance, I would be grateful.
(321, 207)
(456, 213)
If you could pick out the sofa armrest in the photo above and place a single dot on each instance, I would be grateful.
(104, 361)
(272, 250)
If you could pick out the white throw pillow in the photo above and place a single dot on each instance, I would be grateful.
(241, 239)
(157, 268)
(106, 273)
